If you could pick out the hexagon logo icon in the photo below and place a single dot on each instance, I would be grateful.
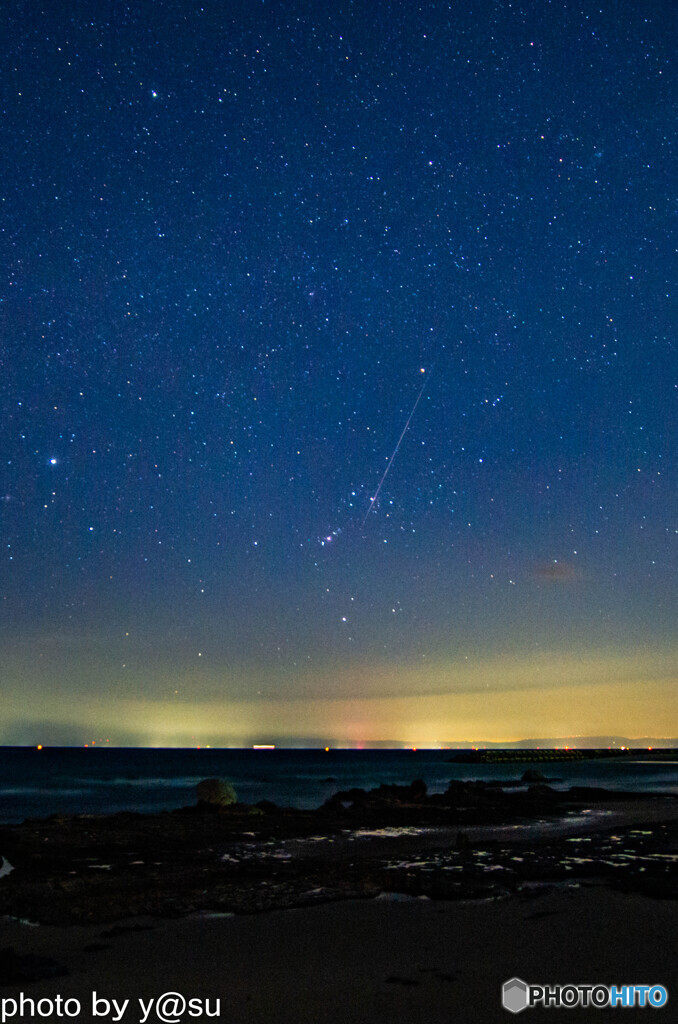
(514, 995)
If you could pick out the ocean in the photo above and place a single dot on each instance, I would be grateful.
(68, 780)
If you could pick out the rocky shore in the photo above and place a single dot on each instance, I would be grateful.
(476, 840)
(379, 906)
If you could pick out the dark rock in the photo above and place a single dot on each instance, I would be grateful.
(355, 796)
(267, 806)
(215, 792)
(418, 789)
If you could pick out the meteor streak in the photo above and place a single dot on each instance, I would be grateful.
(395, 450)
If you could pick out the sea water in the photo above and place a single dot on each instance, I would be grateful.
(69, 780)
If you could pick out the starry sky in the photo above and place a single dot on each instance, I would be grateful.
(246, 244)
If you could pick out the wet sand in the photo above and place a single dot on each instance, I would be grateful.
(368, 962)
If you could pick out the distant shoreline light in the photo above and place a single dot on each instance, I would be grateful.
(263, 746)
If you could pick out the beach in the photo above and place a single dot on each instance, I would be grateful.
(380, 906)
(365, 962)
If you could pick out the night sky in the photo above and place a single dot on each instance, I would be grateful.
(242, 243)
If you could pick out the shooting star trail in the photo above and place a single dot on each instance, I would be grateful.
(395, 450)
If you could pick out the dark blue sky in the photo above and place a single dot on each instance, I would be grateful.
(236, 239)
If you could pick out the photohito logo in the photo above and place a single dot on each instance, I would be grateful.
(517, 995)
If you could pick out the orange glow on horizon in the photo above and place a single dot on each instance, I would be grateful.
(633, 694)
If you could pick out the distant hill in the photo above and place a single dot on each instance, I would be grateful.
(577, 742)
